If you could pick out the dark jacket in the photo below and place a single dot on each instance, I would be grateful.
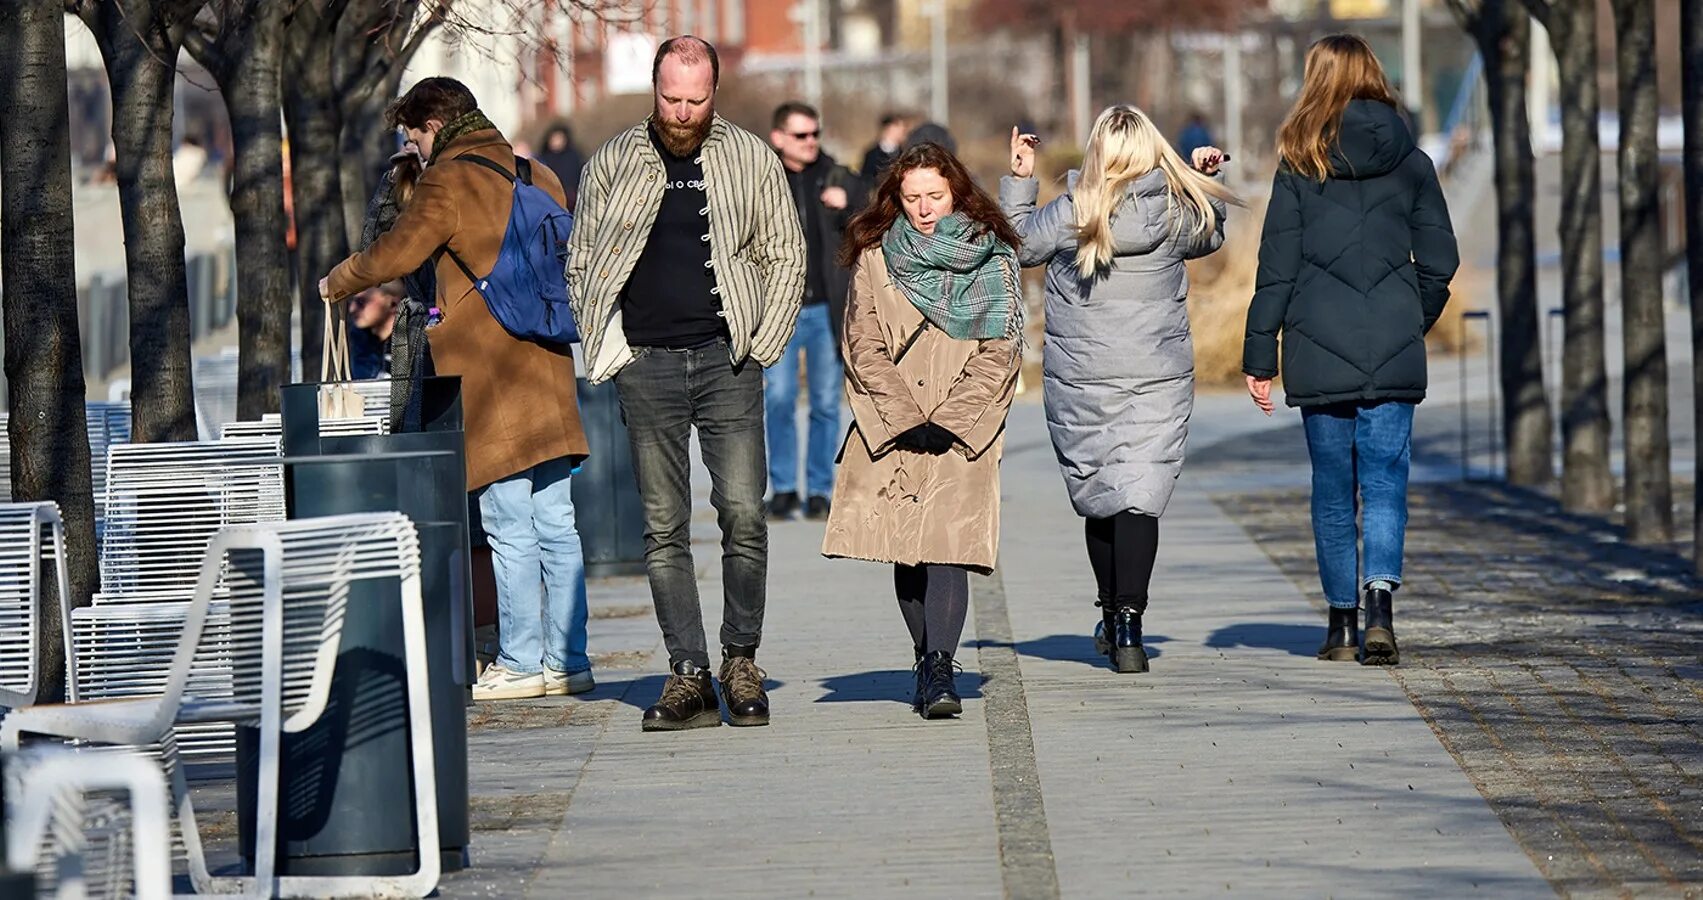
(818, 176)
(1353, 271)
(566, 162)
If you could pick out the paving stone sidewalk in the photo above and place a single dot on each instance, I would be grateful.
(1559, 664)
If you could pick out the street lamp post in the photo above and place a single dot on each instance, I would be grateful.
(1412, 67)
(937, 62)
(808, 13)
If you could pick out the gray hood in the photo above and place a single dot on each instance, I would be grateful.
(1141, 222)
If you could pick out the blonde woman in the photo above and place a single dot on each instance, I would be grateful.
(1355, 264)
(1119, 362)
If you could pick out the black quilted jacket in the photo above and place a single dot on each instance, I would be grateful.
(1353, 271)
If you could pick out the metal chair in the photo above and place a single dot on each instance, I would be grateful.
(91, 824)
(271, 425)
(32, 539)
(287, 586)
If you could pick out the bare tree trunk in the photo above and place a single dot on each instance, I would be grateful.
(311, 111)
(1587, 485)
(1649, 486)
(139, 42)
(1691, 56)
(245, 57)
(367, 144)
(44, 356)
(1502, 31)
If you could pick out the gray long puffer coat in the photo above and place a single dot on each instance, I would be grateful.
(1119, 361)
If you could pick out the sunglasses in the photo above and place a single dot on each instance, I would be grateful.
(804, 135)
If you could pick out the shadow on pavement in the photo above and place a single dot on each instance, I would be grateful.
(889, 685)
(1078, 648)
(1296, 640)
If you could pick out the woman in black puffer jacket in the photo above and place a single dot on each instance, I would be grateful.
(1354, 269)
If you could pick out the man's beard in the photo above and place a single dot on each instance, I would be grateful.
(683, 140)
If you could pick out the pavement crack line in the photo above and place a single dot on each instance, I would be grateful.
(1026, 861)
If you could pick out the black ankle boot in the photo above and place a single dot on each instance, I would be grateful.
(939, 694)
(1380, 647)
(1119, 635)
(1342, 635)
(688, 701)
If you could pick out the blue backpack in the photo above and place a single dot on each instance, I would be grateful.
(527, 289)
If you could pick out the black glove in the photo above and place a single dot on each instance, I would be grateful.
(926, 438)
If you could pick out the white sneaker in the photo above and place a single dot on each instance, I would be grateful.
(557, 683)
(498, 683)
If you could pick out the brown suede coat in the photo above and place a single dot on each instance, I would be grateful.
(893, 505)
(519, 397)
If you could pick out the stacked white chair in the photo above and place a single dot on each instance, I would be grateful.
(287, 586)
(164, 504)
(32, 550)
(108, 424)
(5, 458)
(271, 425)
(90, 825)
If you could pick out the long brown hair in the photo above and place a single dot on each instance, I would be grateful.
(868, 227)
(1340, 68)
(405, 173)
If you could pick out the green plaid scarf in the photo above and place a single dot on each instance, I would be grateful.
(466, 123)
(962, 278)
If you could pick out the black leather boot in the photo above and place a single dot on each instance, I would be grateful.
(742, 686)
(1380, 647)
(940, 694)
(688, 701)
(1119, 635)
(1342, 636)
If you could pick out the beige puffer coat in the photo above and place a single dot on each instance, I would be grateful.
(893, 505)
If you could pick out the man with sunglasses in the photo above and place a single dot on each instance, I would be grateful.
(827, 196)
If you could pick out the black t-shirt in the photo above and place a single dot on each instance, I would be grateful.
(667, 300)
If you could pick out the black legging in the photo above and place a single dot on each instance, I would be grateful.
(935, 601)
(1121, 550)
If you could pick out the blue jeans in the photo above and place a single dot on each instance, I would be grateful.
(1360, 454)
(540, 570)
(815, 340)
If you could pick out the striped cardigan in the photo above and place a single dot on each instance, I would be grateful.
(757, 246)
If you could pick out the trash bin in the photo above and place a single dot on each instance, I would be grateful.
(348, 779)
(607, 509)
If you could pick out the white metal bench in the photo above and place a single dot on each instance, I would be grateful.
(91, 824)
(32, 549)
(287, 586)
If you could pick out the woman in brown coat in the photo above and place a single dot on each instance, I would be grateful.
(932, 343)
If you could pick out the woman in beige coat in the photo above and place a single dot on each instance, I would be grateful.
(932, 344)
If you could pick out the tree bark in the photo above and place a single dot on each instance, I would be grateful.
(1649, 486)
(313, 115)
(375, 39)
(1587, 485)
(1691, 57)
(1502, 31)
(43, 350)
(245, 57)
(139, 42)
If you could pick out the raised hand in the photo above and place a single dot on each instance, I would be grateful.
(1023, 153)
(1208, 159)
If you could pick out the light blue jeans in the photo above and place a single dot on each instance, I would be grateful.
(1360, 454)
(814, 338)
(539, 568)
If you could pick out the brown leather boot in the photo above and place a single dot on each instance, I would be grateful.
(688, 701)
(742, 686)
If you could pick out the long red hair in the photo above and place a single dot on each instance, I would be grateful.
(868, 227)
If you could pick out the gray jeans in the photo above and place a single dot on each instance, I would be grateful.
(664, 394)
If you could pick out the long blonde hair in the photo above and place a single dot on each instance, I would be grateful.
(1340, 68)
(1124, 146)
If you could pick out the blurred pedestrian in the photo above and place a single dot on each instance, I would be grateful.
(564, 158)
(931, 133)
(1195, 135)
(372, 320)
(934, 329)
(888, 142)
(519, 396)
(827, 196)
(686, 271)
(1355, 263)
(1119, 363)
